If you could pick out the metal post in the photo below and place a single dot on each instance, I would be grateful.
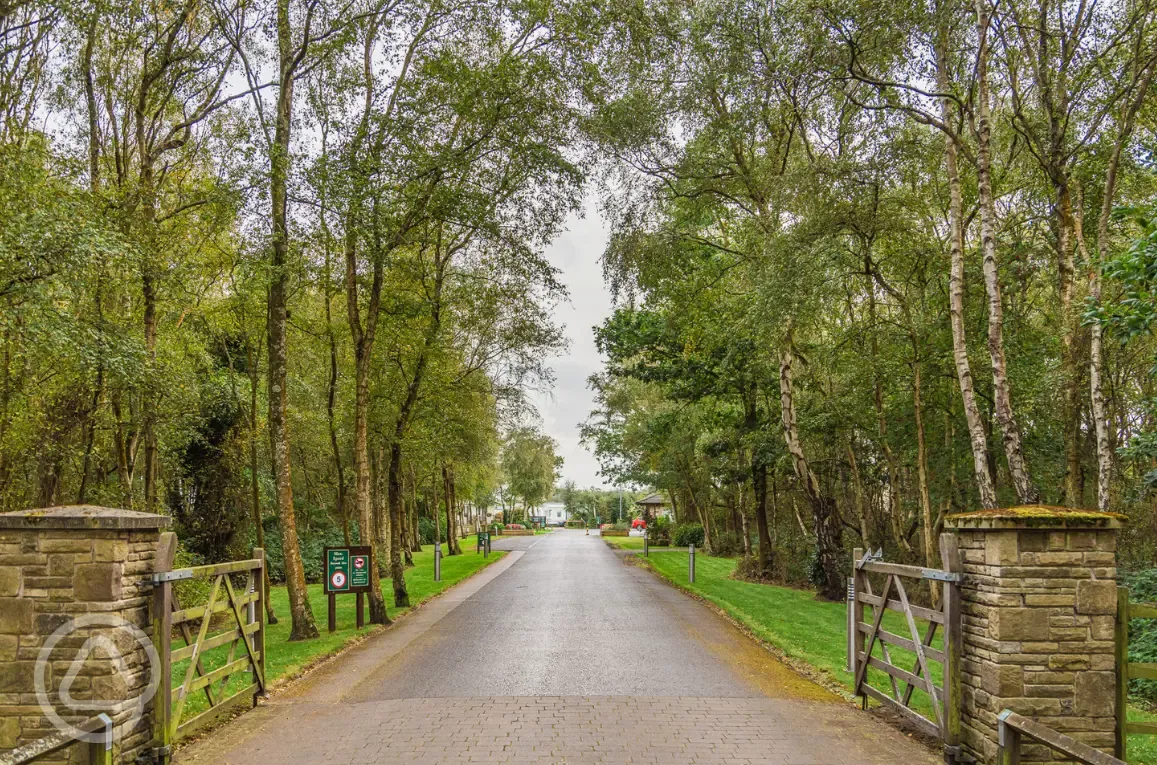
(437, 561)
(1008, 741)
(691, 564)
(646, 545)
(851, 624)
(332, 612)
(100, 751)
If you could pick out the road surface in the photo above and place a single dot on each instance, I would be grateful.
(559, 653)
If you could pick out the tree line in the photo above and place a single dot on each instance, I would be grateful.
(278, 266)
(879, 263)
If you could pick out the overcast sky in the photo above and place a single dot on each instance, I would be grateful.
(577, 254)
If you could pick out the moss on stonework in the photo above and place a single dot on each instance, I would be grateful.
(1038, 515)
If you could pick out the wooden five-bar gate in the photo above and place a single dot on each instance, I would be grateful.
(1127, 670)
(230, 621)
(870, 645)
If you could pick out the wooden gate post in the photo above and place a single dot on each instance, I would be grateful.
(953, 643)
(162, 643)
(856, 639)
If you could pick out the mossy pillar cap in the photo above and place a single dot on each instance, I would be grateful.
(1035, 517)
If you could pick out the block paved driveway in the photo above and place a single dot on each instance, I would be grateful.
(562, 654)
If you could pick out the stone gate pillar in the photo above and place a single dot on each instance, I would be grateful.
(1039, 602)
(75, 627)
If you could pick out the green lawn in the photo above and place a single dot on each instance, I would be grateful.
(807, 629)
(284, 658)
(631, 543)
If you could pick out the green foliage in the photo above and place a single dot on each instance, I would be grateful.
(726, 545)
(1143, 632)
(312, 542)
(660, 530)
(688, 534)
(206, 494)
(530, 465)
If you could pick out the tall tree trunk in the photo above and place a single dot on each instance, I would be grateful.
(301, 615)
(744, 526)
(251, 362)
(862, 504)
(766, 553)
(397, 567)
(331, 400)
(416, 544)
(1143, 79)
(977, 438)
(766, 556)
(894, 510)
(1070, 326)
(407, 533)
(436, 510)
(1026, 490)
(363, 334)
(362, 472)
(825, 521)
(383, 541)
(448, 493)
(922, 465)
(94, 186)
(147, 209)
(457, 505)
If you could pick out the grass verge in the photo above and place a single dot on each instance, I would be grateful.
(808, 630)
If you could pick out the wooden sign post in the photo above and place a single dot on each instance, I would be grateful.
(348, 569)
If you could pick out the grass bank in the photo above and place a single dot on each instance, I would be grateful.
(285, 659)
(805, 629)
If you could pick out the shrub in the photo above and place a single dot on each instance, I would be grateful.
(747, 569)
(322, 534)
(727, 545)
(1143, 632)
(689, 534)
(660, 530)
(190, 592)
(621, 526)
(515, 526)
(815, 569)
(426, 531)
(605, 526)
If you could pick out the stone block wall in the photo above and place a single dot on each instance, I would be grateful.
(57, 566)
(1039, 602)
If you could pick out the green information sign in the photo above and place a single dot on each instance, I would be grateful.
(359, 571)
(337, 570)
(347, 569)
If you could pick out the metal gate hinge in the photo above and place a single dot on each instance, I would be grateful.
(172, 576)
